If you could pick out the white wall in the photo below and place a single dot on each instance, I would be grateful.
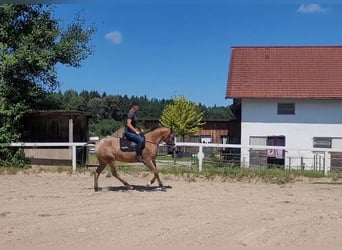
(313, 118)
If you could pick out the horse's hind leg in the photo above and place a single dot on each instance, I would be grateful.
(117, 176)
(97, 173)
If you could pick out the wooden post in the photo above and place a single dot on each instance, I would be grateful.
(74, 158)
(73, 148)
(71, 130)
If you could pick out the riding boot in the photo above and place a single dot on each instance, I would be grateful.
(139, 152)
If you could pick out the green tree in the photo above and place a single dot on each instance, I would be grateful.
(73, 101)
(183, 116)
(31, 44)
(218, 113)
(94, 94)
(85, 95)
(111, 104)
(10, 116)
(97, 109)
(105, 127)
(52, 101)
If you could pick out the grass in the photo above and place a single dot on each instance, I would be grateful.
(230, 173)
(209, 171)
(269, 175)
(37, 170)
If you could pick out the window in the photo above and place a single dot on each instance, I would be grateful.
(257, 140)
(322, 142)
(286, 108)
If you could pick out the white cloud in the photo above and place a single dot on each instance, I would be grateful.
(114, 36)
(311, 8)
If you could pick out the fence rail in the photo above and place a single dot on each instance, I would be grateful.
(73, 146)
(320, 156)
(320, 159)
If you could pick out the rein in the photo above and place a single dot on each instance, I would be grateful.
(151, 142)
(169, 144)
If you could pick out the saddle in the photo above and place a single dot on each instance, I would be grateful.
(127, 145)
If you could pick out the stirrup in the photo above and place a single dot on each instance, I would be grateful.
(140, 159)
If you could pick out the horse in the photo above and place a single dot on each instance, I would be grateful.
(108, 151)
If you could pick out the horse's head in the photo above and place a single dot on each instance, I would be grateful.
(169, 137)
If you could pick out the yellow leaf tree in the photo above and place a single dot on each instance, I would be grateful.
(183, 116)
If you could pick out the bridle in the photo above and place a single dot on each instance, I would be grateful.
(168, 138)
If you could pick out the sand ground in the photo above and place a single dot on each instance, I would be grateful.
(62, 210)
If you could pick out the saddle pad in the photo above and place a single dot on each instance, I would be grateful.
(127, 145)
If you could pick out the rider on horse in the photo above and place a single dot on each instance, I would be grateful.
(132, 133)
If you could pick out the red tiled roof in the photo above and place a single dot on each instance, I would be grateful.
(285, 72)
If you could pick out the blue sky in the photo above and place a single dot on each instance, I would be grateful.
(164, 50)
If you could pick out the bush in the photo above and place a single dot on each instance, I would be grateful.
(12, 157)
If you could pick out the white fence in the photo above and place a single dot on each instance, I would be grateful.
(73, 146)
(294, 157)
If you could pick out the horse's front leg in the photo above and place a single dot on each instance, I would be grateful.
(152, 180)
(153, 167)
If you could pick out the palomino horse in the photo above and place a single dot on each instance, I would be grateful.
(108, 151)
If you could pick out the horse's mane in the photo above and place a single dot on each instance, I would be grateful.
(151, 129)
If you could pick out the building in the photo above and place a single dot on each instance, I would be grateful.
(288, 96)
(55, 126)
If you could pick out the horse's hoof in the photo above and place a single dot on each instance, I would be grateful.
(96, 189)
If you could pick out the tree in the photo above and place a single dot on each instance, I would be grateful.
(31, 44)
(73, 101)
(183, 116)
(219, 113)
(105, 127)
(10, 116)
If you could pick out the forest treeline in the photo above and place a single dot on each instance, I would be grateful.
(108, 112)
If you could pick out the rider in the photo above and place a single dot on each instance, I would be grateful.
(132, 133)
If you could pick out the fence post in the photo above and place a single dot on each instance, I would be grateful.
(200, 157)
(302, 162)
(74, 158)
(327, 162)
(174, 151)
(290, 159)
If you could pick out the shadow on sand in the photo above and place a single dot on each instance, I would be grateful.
(139, 188)
(327, 182)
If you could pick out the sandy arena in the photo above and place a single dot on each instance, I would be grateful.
(62, 210)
